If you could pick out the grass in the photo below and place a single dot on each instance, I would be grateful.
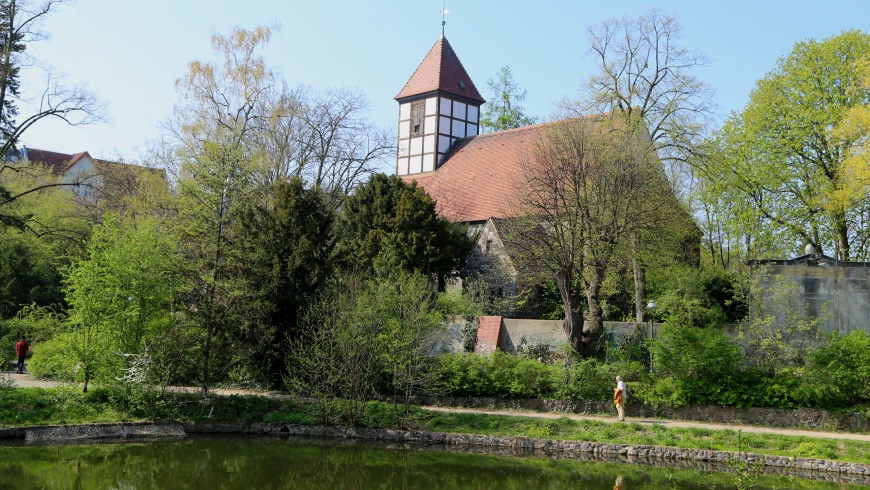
(39, 406)
(655, 435)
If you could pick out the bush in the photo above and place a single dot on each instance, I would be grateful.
(51, 359)
(844, 365)
(703, 367)
(508, 376)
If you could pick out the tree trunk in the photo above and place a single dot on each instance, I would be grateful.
(573, 324)
(841, 234)
(594, 324)
(639, 284)
(206, 357)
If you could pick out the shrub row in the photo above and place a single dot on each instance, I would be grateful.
(691, 366)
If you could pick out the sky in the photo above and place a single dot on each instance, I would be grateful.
(129, 53)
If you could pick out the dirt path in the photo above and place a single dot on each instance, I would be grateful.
(25, 380)
(666, 423)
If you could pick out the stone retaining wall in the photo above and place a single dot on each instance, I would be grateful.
(772, 417)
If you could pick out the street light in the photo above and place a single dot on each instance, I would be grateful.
(650, 308)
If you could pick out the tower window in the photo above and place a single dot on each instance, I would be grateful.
(418, 110)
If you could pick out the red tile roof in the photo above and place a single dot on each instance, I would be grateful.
(488, 334)
(62, 162)
(58, 162)
(480, 175)
(441, 70)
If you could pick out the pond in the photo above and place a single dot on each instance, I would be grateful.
(261, 462)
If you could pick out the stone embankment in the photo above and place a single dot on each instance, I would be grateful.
(770, 417)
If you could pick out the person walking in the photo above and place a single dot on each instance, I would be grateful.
(619, 397)
(21, 349)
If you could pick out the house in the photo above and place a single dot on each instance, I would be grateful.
(98, 184)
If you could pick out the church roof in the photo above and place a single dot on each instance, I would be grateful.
(480, 175)
(441, 71)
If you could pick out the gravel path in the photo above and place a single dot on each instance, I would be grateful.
(667, 423)
(26, 381)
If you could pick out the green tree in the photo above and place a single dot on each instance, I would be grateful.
(216, 189)
(646, 77)
(27, 277)
(120, 296)
(503, 111)
(285, 256)
(216, 165)
(406, 306)
(781, 164)
(20, 26)
(589, 186)
(389, 223)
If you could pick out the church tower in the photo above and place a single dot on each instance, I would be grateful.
(437, 106)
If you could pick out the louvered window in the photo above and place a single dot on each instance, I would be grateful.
(418, 110)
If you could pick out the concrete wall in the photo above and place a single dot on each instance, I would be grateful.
(550, 332)
(839, 292)
(449, 338)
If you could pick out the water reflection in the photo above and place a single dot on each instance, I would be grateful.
(207, 462)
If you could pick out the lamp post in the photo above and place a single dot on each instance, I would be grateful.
(650, 308)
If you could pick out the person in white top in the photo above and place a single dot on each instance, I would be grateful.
(620, 395)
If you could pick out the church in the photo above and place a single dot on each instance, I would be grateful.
(471, 176)
(474, 178)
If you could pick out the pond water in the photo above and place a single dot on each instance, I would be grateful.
(239, 462)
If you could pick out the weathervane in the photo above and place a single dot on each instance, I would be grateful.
(444, 11)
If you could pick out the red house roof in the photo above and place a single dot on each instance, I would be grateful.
(58, 162)
(480, 175)
(441, 71)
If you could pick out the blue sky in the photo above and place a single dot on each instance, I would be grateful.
(130, 52)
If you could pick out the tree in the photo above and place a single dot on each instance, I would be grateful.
(388, 223)
(854, 127)
(284, 257)
(75, 105)
(27, 276)
(322, 137)
(335, 357)
(119, 296)
(215, 190)
(645, 77)
(780, 161)
(589, 186)
(504, 110)
(409, 320)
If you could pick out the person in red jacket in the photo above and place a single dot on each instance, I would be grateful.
(21, 350)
